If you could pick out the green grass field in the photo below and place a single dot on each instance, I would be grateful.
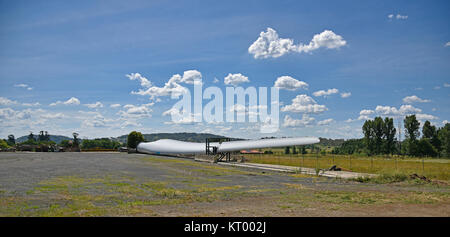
(429, 167)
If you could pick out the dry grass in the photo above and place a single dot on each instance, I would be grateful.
(431, 168)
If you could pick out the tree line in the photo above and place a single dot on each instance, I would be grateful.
(43, 138)
(102, 143)
(380, 139)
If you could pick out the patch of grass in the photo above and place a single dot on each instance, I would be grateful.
(419, 197)
(343, 198)
(393, 177)
(303, 176)
(263, 190)
(204, 188)
(390, 177)
(193, 168)
(362, 179)
(284, 206)
(351, 197)
(65, 183)
(317, 170)
(295, 186)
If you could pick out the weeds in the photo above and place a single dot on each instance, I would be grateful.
(383, 178)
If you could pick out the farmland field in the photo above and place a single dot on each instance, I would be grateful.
(429, 167)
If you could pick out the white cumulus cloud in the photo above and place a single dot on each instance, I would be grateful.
(290, 122)
(325, 93)
(235, 79)
(289, 83)
(172, 87)
(392, 111)
(71, 101)
(414, 99)
(6, 102)
(95, 105)
(398, 17)
(136, 76)
(364, 114)
(98, 121)
(426, 117)
(115, 105)
(53, 116)
(179, 116)
(346, 94)
(304, 104)
(22, 85)
(401, 17)
(136, 111)
(192, 77)
(31, 104)
(325, 122)
(269, 44)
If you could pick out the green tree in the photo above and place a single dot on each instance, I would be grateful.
(436, 141)
(294, 151)
(428, 131)
(303, 150)
(444, 137)
(350, 146)
(389, 135)
(286, 150)
(102, 143)
(11, 140)
(3, 144)
(47, 136)
(378, 132)
(41, 136)
(412, 133)
(412, 127)
(369, 136)
(426, 149)
(65, 143)
(134, 138)
(76, 142)
(31, 137)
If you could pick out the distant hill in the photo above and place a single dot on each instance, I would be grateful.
(188, 137)
(55, 138)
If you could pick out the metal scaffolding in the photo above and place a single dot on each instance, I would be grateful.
(212, 150)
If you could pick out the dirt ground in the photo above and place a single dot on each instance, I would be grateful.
(120, 184)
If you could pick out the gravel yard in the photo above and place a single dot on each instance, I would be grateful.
(120, 184)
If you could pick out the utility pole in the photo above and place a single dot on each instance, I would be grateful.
(400, 136)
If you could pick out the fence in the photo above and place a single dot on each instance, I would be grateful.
(433, 168)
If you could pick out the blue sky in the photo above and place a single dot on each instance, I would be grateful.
(52, 51)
